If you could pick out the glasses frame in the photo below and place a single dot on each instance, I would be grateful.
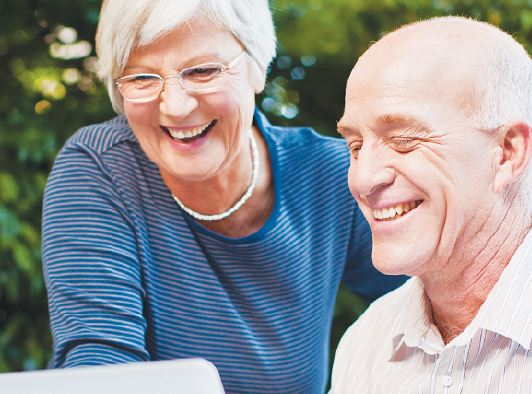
(179, 76)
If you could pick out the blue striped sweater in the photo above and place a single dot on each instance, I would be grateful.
(131, 277)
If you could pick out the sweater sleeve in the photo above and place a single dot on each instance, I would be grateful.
(360, 276)
(91, 265)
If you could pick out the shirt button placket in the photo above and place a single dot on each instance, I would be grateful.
(444, 380)
(447, 381)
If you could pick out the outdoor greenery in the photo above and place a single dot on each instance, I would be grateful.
(48, 90)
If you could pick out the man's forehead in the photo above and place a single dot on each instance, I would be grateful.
(421, 52)
(354, 122)
(393, 94)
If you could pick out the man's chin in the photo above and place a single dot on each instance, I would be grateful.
(398, 261)
(389, 269)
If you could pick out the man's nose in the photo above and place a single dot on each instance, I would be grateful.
(176, 101)
(370, 172)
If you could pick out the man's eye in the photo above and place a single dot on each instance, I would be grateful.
(403, 144)
(354, 148)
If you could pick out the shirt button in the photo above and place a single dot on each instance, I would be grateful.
(447, 381)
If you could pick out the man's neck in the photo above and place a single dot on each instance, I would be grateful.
(457, 294)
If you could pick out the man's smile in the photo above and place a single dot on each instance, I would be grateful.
(395, 211)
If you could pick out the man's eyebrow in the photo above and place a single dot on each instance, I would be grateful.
(344, 128)
(391, 121)
(406, 122)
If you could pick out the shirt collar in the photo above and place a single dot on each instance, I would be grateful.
(415, 328)
(505, 311)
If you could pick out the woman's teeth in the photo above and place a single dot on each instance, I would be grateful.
(396, 211)
(190, 133)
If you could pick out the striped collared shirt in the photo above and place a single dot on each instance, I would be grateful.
(395, 348)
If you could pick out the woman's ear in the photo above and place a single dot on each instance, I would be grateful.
(515, 150)
(257, 76)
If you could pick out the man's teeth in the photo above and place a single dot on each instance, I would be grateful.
(393, 212)
(182, 134)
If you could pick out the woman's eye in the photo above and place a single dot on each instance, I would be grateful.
(199, 73)
(141, 78)
(141, 81)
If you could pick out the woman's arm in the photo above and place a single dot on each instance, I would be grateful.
(91, 267)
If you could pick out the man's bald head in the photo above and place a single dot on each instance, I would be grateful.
(477, 71)
(493, 71)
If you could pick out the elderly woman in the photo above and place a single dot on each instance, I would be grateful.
(188, 226)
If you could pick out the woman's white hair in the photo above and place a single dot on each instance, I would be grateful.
(125, 25)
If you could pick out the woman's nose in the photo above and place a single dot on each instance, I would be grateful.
(176, 101)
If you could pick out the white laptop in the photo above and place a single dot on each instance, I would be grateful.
(186, 376)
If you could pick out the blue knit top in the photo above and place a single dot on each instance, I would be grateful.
(131, 277)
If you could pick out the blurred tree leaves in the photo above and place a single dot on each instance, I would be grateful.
(44, 99)
(336, 32)
(49, 90)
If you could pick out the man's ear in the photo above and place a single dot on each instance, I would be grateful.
(515, 147)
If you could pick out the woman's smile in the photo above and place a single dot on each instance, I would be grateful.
(211, 125)
(188, 134)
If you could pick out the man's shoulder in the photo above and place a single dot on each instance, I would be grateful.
(384, 311)
(101, 137)
(371, 337)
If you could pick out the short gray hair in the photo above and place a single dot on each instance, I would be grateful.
(125, 25)
(504, 95)
(502, 86)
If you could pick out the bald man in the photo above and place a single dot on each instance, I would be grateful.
(438, 120)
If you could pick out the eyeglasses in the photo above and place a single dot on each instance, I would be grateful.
(203, 78)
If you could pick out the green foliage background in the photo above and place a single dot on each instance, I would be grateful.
(48, 90)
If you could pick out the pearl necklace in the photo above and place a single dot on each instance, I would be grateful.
(254, 177)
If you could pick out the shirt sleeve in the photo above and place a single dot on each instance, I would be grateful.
(342, 361)
(360, 276)
(353, 359)
(91, 268)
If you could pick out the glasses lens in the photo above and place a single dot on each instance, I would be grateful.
(140, 86)
(203, 77)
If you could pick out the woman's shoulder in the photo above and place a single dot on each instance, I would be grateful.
(302, 139)
(303, 135)
(101, 137)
